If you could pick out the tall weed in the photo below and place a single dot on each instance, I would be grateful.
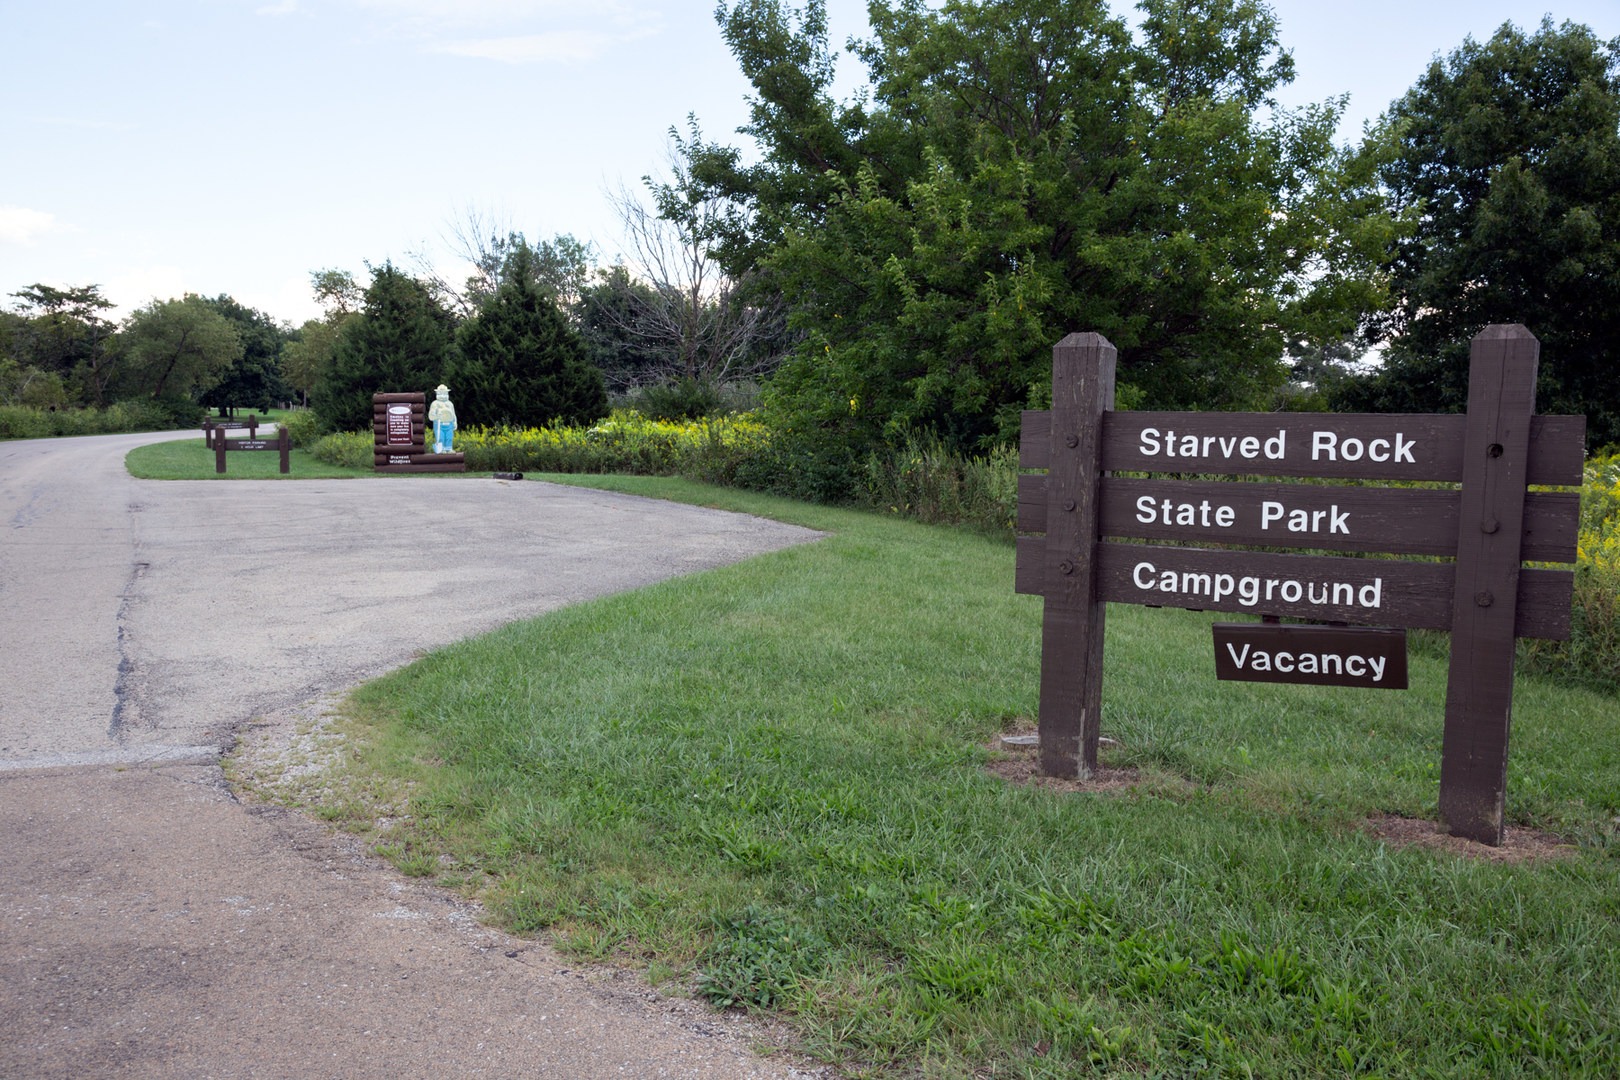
(1593, 648)
(929, 482)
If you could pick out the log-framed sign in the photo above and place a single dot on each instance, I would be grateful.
(399, 429)
(1488, 524)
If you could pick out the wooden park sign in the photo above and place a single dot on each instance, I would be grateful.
(282, 444)
(1488, 527)
(399, 426)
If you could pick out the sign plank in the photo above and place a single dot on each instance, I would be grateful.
(1433, 442)
(1369, 657)
(1328, 588)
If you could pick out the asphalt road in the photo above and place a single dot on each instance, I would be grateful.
(151, 925)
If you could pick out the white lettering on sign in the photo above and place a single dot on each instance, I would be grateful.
(1168, 444)
(1151, 510)
(1327, 446)
(1249, 590)
(1307, 663)
(1305, 521)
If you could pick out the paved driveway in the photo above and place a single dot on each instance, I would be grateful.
(152, 926)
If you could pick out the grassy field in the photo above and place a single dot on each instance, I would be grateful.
(776, 785)
(189, 459)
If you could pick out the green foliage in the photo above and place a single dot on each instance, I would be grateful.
(173, 350)
(684, 399)
(1510, 150)
(398, 343)
(29, 386)
(926, 481)
(254, 381)
(607, 307)
(303, 428)
(625, 442)
(1593, 649)
(28, 422)
(62, 333)
(519, 362)
(346, 449)
(786, 793)
(1021, 171)
(758, 959)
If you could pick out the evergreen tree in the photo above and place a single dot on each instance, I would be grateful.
(520, 364)
(398, 343)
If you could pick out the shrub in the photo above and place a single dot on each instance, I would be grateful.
(1593, 648)
(927, 480)
(684, 399)
(303, 428)
(28, 422)
(624, 442)
(346, 449)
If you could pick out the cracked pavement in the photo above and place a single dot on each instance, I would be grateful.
(150, 924)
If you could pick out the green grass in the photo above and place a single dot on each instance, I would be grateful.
(767, 783)
(189, 459)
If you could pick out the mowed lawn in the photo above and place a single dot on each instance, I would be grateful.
(779, 785)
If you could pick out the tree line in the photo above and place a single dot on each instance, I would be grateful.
(1018, 170)
(896, 266)
(535, 335)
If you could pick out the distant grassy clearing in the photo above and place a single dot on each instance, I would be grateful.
(769, 781)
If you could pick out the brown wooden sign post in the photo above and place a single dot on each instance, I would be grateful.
(216, 429)
(399, 425)
(1489, 525)
(281, 443)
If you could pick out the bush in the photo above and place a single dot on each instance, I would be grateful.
(1593, 649)
(928, 481)
(625, 442)
(27, 422)
(303, 428)
(684, 399)
(346, 449)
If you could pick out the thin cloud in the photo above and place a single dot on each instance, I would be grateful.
(464, 12)
(20, 225)
(563, 46)
(285, 7)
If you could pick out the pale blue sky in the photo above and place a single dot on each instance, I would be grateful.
(213, 146)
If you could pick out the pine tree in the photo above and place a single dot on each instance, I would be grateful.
(520, 364)
(398, 343)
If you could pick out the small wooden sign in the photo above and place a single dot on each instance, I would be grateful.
(399, 425)
(1370, 657)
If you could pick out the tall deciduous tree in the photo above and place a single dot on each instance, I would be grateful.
(1510, 152)
(519, 363)
(399, 342)
(175, 349)
(703, 325)
(1026, 168)
(255, 380)
(64, 334)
